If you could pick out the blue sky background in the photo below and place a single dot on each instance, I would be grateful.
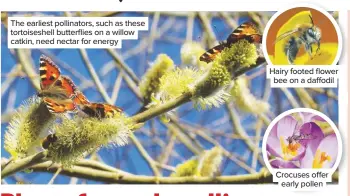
(127, 158)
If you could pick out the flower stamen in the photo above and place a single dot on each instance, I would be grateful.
(320, 159)
(289, 150)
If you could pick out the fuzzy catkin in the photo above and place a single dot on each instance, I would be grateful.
(245, 100)
(79, 136)
(190, 54)
(207, 164)
(239, 54)
(151, 80)
(31, 120)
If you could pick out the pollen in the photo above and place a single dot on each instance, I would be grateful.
(289, 150)
(320, 158)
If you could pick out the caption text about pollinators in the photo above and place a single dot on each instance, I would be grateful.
(302, 179)
(73, 32)
(311, 76)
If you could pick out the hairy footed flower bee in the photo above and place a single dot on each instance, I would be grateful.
(303, 35)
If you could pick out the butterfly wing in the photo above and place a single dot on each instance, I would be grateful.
(56, 107)
(80, 98)
(49, 72)
(66, 85)
(248, 31)
(100, 110)
(210, 55)
(291, 50)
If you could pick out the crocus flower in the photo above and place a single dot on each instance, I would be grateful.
(312, 134)
(279, 163)
(277, 142)
(324, 156)
(310, 117)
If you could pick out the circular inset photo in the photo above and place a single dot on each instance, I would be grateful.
(302, 138)
(302, 36)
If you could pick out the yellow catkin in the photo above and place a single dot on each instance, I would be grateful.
(245, 100)
(78, 136)
(31, 120)
(151, 80)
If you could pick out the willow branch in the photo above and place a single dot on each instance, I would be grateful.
(27, 66)
(156, 111)
(9, 167)
(10, 78)
(236, 123)
(110, 177)
(205, 21)
(94, 75)
(21, 164)
(145, 155)
(122, 65)
(193, 147)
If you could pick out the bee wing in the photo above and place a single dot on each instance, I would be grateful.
(284, 35)
(291, 49)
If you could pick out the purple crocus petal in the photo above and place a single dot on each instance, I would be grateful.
(307, 160)
(268, 154)
(279, 163)
(286, 127)
(306, 116)
(329, 145)
(313, 135)
(273, 146)
(273, 132)
(318, 118)
(310, 117)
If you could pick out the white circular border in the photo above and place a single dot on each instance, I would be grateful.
(293, 111)
(324, 12)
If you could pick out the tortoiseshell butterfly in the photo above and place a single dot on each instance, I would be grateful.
(247, 31)
(100, 110)
(58, 92)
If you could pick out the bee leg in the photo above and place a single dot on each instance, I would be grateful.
(318, 46)
(290, 58)
(308, 48)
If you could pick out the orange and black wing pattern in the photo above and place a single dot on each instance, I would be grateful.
(210, 55)
(56, 107)
(100, 110)
(49, 72)
(80, 98)
(247, 31)
(67, 86)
